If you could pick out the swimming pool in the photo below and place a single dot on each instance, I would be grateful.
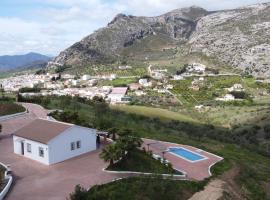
(186, 154)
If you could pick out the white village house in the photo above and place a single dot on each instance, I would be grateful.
(51, 142)
(118, 94)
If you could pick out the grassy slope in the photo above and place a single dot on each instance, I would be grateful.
(145, 189)
(154, 113)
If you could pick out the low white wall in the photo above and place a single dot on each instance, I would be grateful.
(6, 117)
(4, 192)
(172, 176)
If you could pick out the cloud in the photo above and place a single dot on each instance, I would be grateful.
(50, 26)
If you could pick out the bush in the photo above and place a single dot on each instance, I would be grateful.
(240, 94)
(27, 90)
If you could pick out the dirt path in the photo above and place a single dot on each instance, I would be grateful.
(232, 188)
(213, 191)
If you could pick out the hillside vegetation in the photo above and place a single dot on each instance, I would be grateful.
(8, 108)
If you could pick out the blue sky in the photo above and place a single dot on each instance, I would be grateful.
(50, 26)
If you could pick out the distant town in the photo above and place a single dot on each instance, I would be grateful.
(87, 86)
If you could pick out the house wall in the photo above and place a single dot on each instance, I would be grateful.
(60, 146)
(115, 97)
(34, 154)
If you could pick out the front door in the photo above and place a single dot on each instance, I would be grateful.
(22, 146)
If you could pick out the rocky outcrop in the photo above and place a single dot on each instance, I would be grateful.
(239, 38)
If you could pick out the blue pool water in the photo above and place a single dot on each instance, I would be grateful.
(189, 155)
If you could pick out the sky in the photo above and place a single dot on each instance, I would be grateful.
(50, 26)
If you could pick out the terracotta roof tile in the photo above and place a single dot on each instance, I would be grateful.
(42, 131)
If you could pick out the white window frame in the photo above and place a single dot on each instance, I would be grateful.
(72, 146)
(41, 152)
(78, 144)
(29, 148)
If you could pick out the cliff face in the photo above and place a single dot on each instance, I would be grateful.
(238, 38)
(106, 44)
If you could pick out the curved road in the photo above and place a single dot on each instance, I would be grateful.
(34, 111)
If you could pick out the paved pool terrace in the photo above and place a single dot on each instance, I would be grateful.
(195, 169)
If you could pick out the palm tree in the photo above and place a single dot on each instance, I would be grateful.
(128, 141)
(111, 153)
(112, 131)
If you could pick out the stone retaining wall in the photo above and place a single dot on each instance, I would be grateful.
(9, 178)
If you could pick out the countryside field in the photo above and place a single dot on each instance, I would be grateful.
(163, 114)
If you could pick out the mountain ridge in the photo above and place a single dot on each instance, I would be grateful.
(14, 62)
(191, 26)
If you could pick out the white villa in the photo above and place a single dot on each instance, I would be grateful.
(118, 94)
(236, 87)
(196, 67)
(178, 77)
(227, 97)
(144, 82)
(86, 77)
(51, 142)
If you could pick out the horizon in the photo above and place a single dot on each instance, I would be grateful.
(47, 27)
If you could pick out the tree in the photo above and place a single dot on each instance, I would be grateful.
(112, 131)
(79, 194)
(128, 141)
(111, 153)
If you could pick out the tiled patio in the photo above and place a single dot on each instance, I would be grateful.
(195, 170)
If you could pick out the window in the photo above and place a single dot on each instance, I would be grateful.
(78, 144)
(41, 151)
(29, 150)
(72, 146)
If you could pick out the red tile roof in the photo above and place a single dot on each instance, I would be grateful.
(41, 130)
(119, 90)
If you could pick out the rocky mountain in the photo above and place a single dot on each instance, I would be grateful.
(239, 38)
(106, 44)
(26, 61)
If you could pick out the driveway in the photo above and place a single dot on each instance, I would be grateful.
(34, 181)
